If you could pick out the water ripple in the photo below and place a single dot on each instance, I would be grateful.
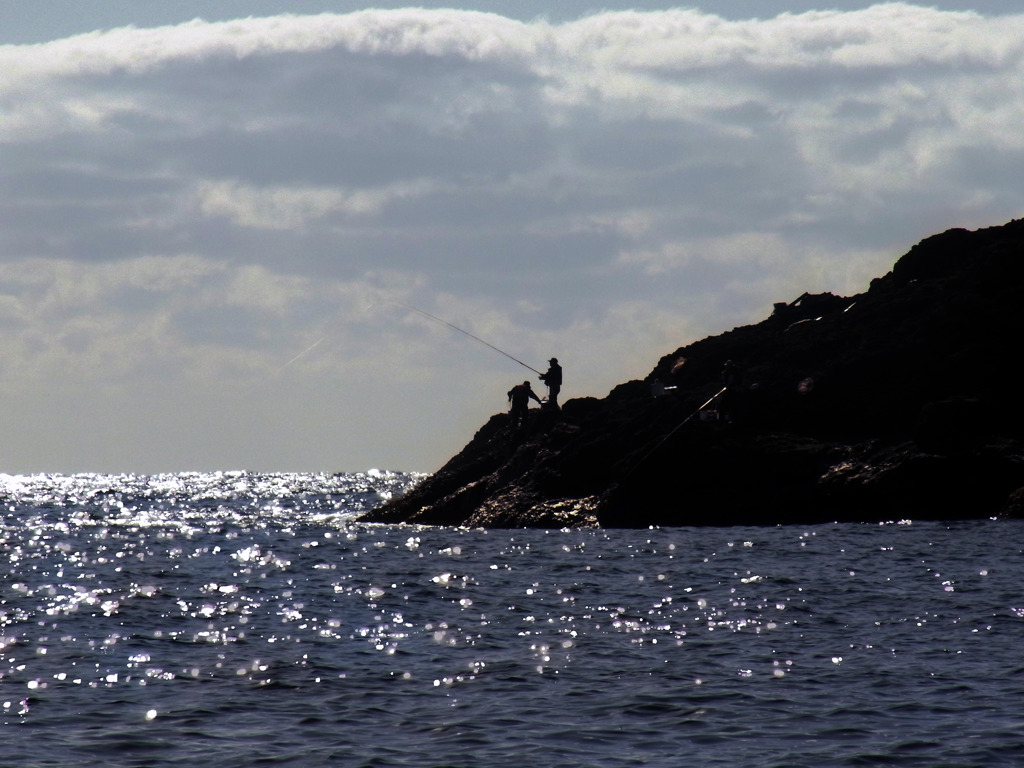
(235, 618)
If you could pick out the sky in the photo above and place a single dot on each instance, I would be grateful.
(221, 223)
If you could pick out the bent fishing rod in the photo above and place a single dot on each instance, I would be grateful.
(463, 331)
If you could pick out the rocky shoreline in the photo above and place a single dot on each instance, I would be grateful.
(897, 403)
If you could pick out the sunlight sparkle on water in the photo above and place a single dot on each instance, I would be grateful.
(137, 590)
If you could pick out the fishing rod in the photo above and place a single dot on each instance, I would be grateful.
(466, 333)
(678, 427)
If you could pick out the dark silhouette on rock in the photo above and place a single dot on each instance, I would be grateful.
(519, 399)
(553, 379)
(902, 402)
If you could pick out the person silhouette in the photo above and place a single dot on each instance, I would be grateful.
(731, 380)
(519, 396)
(553, 378)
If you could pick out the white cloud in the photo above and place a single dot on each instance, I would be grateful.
(279, 207)
(234, 213)
(274, 208)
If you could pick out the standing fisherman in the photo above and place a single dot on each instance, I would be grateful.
(520, 396)
(553, 378)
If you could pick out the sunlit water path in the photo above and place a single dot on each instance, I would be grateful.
(235, 619)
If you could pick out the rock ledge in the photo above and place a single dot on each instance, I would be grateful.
(897, 403)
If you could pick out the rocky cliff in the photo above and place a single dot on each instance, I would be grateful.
(900, 402)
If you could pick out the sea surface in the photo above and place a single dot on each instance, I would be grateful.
(235, 619)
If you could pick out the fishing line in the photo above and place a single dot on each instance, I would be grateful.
(467, 333)
(303, 353)
(330, 329)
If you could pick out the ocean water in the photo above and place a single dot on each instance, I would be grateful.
(233, 619)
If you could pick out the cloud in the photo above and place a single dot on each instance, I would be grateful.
(245, 206)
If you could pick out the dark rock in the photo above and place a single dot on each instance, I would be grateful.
(895, 403)
(1014, 506)
(950, 426)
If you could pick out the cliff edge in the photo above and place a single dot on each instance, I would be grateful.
(897, 403)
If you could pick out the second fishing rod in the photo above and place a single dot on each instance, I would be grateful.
(463, 331)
